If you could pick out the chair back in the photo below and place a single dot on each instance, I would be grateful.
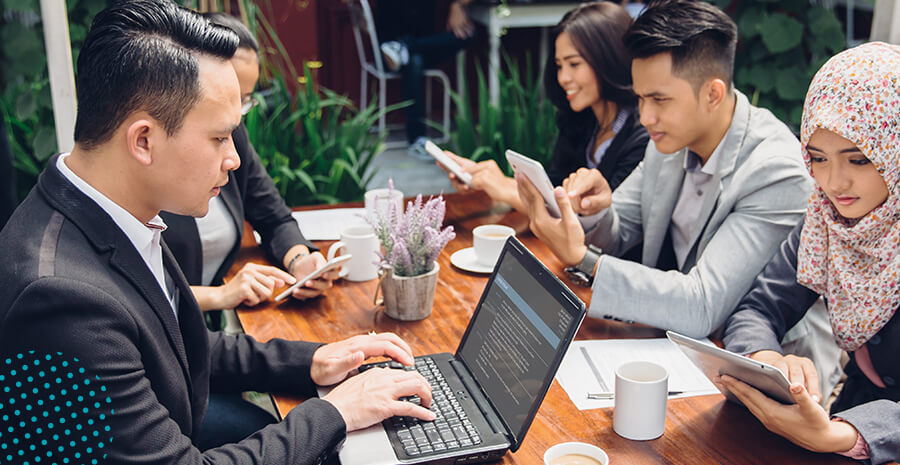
(365, 35)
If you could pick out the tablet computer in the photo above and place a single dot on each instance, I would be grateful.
(535, 173)
(448, 163)
(714, 361)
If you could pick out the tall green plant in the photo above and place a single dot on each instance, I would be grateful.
(781, 46)
(316, 145)
(523, 121)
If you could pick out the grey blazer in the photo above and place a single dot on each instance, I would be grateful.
(761, 187)
(74, 287)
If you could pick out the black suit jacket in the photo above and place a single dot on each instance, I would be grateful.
(74, 287)
(249, 195)
(624, 153)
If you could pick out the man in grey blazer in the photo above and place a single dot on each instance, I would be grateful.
(721, 185)
(104, 356)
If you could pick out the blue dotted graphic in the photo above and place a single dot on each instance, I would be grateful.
(52, 411)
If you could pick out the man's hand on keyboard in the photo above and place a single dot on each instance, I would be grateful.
(372, 396)
(334, 362)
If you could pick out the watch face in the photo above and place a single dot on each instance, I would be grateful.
(577, 276)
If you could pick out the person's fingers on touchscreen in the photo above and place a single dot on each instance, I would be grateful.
(371, 397)
(588, 191)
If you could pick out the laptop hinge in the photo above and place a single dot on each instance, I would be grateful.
(478, 397)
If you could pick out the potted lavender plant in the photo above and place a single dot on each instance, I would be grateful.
(411, 242)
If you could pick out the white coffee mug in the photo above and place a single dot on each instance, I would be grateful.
(378, 202)
(641, 393)
(359, 241)
(575, 453)
(488, 241)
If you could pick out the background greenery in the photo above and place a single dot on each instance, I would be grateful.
(300, 131)
(782, 43)
(523, 121)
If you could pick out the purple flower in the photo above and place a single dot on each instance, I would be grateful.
(413, 239)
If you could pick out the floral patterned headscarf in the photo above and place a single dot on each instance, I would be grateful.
(855, 265)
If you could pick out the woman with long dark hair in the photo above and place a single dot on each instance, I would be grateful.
(589, 81)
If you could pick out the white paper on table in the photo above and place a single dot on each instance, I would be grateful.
(577, 379)
(326, 225)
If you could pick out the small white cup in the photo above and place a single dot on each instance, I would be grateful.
(553, 455)
(359, 241)
(378, 202)
(488, 241)
(641, 393)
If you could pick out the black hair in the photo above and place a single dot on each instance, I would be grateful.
(246, 39)
(142, 55)
(700, 38)
(596, 30)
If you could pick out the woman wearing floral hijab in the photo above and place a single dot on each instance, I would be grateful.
(846, 250)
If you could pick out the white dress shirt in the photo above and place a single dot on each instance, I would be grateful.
(144, 237)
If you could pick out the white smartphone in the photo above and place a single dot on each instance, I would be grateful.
(328, 266)
(448, 163)
(535, 173)
(714, 361)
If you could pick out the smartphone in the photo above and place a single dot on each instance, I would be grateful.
(535, 173)
(328, 266)
(448, 163)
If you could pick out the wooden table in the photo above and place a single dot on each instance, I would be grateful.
(699, 430)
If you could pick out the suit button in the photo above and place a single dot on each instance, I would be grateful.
(875, 340)
(888, 381)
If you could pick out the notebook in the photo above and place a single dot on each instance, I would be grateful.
(487, 394)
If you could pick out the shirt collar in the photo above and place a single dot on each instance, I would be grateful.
(140, 234)
(692, 160)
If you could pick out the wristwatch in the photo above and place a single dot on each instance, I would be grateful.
(583, 273)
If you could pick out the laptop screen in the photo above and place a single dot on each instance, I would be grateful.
(518, 335)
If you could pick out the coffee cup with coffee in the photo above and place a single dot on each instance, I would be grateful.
(575, 453)
(488, 241)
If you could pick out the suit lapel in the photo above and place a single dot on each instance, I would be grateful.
(668, 185)
(106, 237)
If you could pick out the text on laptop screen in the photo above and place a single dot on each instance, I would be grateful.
(513, 340)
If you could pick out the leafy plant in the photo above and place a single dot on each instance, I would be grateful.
(316, 145)
(523, 121)
(781, 46)
(412, 239)
(25, 101)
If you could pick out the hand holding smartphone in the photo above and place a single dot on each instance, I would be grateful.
(535, 173)
(448, 163)
(328, 266)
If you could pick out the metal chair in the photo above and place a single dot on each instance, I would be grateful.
(367, 44)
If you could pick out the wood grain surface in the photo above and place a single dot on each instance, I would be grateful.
(699, 430)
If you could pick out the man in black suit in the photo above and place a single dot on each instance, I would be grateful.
(104, 351)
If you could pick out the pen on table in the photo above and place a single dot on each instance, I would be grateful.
(610, 395)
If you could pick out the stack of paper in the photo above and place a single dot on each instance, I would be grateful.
(578, 378)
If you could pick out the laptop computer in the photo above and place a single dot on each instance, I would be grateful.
(487, 394)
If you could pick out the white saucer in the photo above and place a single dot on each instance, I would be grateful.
(465, 259)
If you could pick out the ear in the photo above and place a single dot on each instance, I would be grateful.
(713, 94)
(138, 136)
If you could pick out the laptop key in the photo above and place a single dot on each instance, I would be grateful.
(476, 439)
(411, 450)
(465, 442)
(439, 447)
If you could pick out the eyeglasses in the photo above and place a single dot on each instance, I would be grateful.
(247, 104)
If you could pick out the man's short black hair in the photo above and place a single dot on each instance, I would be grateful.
(141, 55)
(700, 38)
(228, 21)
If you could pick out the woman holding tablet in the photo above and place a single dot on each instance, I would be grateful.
(845, 251)
(205, 248)
(589, 82)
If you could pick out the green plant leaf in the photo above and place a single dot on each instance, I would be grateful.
(44, 143)
(749, 21)
(791, 83)
(780, 32)
(26, 106)
(825, 28)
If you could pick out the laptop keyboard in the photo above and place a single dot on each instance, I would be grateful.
(451, 429)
